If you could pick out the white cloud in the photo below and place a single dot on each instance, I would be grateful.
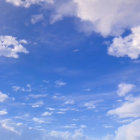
(18, 88)
(129, 132)
(66, 135)
(38, 120)
(83, 126)
(10, 46)
(51, 109)
(127, 46)
(36, 18)
(63, 9)
(3, 97)
(71, 126)
(59, 83)
(3, 112)
(108, 137)
(130, 108)
(90, 105)
(28, 3)
(69, 102)
(7, 124)
(38, 104)
(124, 88)
(105, 17)
(47, 113)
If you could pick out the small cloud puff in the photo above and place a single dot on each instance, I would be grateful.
(3, 97)
(124, 88)
(127, 46)
(10, 46)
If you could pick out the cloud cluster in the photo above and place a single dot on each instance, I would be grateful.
(126, 132)
(109, 17)
(105, 17)
(127, 46)
(28, 3)
(66, 135)
(129, 131)
(18, 88)
(124, 88)
(130, 108)
(10, 46)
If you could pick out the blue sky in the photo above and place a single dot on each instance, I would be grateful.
(69, 70)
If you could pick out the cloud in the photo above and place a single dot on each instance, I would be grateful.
(3, 97)
(69, 102)
(10, 130)
(9, 125)
(130, 108)
(127, 46)
(3, 112)
(10, 46)
(105, 17)
(59, 83)
(28, 3)
(124, 88)
(63, 9)
(129, 131)
(71, 126)
(38, 104)
(90, 105)
(47, 113)
(36, 18)
(18, 88)
(66, 135)
(38, 120)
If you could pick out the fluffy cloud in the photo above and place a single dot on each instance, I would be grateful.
(105, 17)
(3, 97)
(130, 108)
(127, 46)
(109, 17)
(28, 3)
(129, 132)
(124, 88)
(10, 46)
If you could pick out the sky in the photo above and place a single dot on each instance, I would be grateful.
(69, 69)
